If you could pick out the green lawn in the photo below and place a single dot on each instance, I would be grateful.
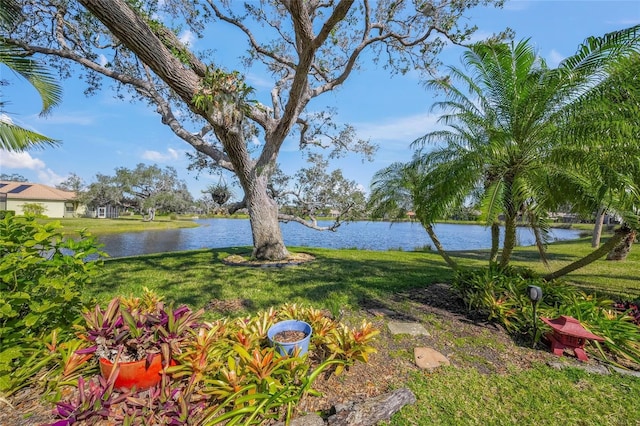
(537, 396)
(123, 224)
(195, 277)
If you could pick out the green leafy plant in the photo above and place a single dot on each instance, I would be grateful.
(34, 209)
(225, 371)
(500, 294)
(42, 276)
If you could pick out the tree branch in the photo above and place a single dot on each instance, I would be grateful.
(313, 223)
(136, 34)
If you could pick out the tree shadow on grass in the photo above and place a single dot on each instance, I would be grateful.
(197, 277)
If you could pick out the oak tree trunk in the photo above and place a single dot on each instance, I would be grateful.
(268, 243)
(135, 33)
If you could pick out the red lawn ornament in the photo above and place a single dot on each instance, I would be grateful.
(568, 333)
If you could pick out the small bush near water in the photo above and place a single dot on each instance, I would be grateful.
(501, 295)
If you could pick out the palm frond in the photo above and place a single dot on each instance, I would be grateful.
(40, 78)
(16, 138)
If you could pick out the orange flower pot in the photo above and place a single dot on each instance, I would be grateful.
(134, 373)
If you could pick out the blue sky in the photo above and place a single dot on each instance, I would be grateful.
(100, 133)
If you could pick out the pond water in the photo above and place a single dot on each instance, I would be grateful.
(219, 233)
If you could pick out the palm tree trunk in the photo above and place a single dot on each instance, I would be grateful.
(542, 250)
(510, 216)
(495, 242)
(509, 239)
(438, 246)
(618, 236)
(620, 251)
(597, 228)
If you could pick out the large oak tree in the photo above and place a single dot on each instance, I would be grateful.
(310, 47)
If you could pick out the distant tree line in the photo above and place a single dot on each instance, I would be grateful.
(146, 190)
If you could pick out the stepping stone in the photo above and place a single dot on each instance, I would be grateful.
(411, 328)
(429, 358)
(382, 312)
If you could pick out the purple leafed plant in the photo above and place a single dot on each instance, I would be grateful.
(132, 331)
(633, 308)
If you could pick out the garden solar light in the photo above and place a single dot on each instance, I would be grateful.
(535, 294)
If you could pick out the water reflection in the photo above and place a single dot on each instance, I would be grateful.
(218, 233)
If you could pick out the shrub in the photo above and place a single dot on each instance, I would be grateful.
(137, 328)
(34, 209)
(42, 275)
(500, 294)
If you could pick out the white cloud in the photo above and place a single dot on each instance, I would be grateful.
(49, 177)
(555, 58)
(4, 118)
(20, 160)
(160, 157)
(402, 129)
(102, 60)
(187, 37)
(24, 160)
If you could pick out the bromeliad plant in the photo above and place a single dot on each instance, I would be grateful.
(137, 328)
(225, 372)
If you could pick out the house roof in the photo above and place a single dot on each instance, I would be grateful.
(34, 191)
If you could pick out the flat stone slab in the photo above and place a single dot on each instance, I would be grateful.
(429, 358)
(382, 312)
(411, 328)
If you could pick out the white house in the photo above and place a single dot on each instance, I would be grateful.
(56, 202)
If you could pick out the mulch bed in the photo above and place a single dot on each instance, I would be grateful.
(294, 259)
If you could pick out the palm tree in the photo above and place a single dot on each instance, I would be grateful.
(606, 122)
(13, 137)
(504, 122)
(400, 188)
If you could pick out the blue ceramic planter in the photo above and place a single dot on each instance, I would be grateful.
(287, 348)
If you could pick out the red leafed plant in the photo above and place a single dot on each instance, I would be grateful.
(633, 308)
